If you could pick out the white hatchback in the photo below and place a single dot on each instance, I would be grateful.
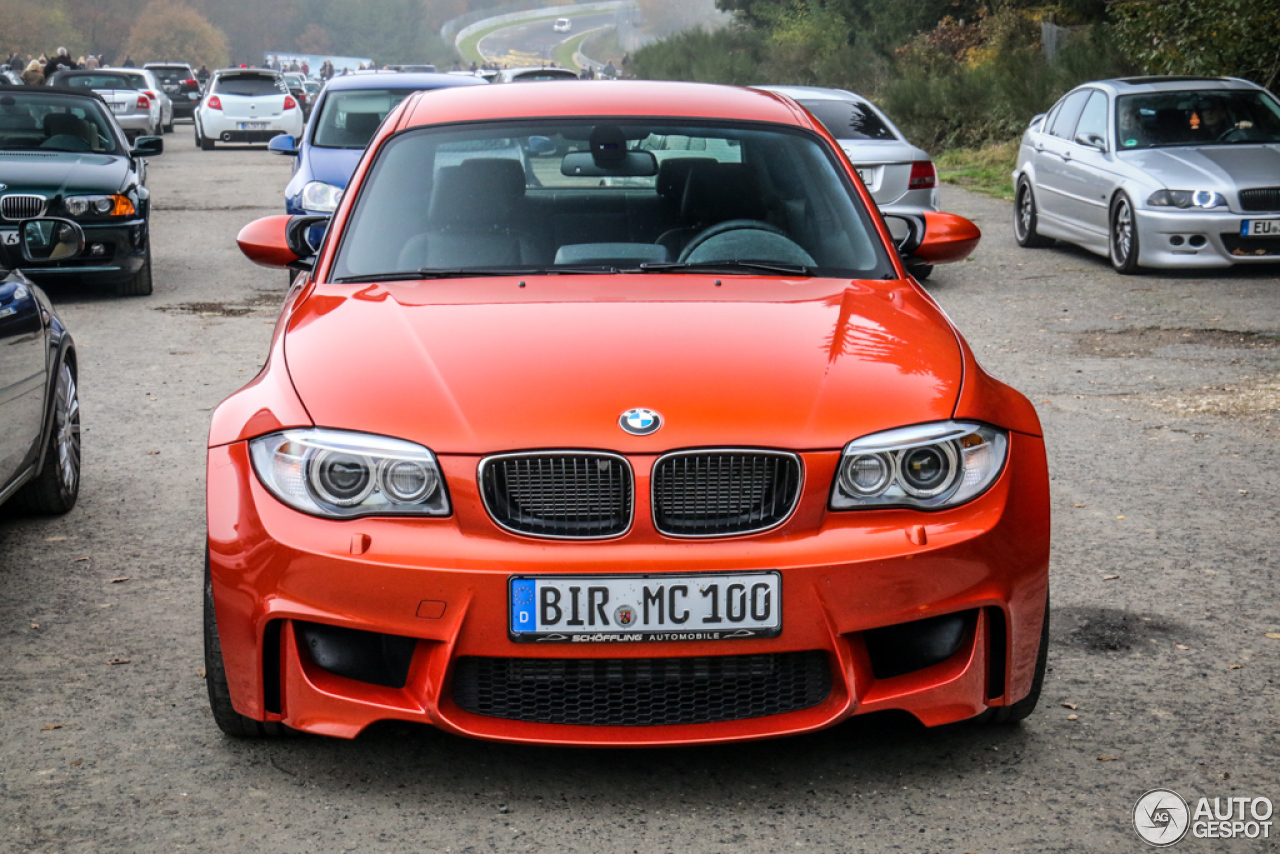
(246, 105)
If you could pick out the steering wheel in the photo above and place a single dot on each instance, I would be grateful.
(1232, 134)
(727, 241)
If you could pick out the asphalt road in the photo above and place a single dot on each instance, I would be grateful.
(535, 42)
(1158, 395)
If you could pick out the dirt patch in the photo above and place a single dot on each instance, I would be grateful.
(1106, 630)
(1131, 343)
(260, 303)
(1257, 397)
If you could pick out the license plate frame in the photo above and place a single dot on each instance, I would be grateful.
(1269, 227)
(654, 601)
(9, 237)
(255, 125)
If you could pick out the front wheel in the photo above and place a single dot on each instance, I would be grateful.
(140, 284)
(56, 487)
(1124, 236)
(1026, 217)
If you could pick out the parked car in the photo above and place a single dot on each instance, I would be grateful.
(296, 83)
(1161, 172)
(136, 112)
(346, 115)
(612, 448)
(562, 25)
(246, 105)
(532, 73)
(149, 85)
(180, 83)
(85, 172)
(39, 398)
(9, 77)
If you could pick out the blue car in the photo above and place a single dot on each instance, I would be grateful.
(348, 111)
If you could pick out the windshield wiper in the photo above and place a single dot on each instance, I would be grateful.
(730, 266)
(473, 272)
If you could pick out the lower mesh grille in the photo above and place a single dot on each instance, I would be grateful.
(641, 691)
(718, 493)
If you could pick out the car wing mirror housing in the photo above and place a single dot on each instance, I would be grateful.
(283, 240)
(283, 144)
(932, 237)
(50, 239)
(147, 146)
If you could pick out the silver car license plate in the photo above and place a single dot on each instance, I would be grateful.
(254, 125)
(1260, 228)
(636, 608)
(9, 238)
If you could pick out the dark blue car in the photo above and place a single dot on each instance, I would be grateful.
(349, 110)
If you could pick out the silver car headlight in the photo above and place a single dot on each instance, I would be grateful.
(1203, 199)
(319, 196)
(343, 475)
(929, 466)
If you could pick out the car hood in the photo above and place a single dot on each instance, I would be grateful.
(478, 366)
(332, 165)
(54, 172)
(1220, 167)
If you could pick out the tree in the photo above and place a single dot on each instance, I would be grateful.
(171, 32)
(35, 28)
(105, 24)
(1237, 38)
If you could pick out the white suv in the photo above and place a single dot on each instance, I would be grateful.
(246, 105)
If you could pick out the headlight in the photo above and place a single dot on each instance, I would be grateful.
(89, 207)
(929, 466)
(344, 475)
(319, 196)
(1187, 199)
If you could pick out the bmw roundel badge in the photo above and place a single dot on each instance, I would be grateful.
(640, 422)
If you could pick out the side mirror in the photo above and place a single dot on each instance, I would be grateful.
(147, 146)
(51, 239)
(931, 237)
(280, 241)
(541, 145)
(283, 144)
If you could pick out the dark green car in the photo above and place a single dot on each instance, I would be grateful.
(63, 155)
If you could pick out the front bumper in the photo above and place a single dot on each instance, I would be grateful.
(113, 253)
(443, 585)
(1200, 239)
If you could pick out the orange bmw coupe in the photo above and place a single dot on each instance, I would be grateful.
(610, 414)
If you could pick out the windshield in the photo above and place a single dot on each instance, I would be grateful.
(575, 196)
(848, 119)
(172, 75)
(1204, 117)
(97, 81)
(348, 119)
(53, 123)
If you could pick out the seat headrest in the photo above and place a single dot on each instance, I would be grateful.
(480, 190)
(722, 191)
(360, 126)
(674, 173)
(65, 123)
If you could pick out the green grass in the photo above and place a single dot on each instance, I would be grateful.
(984, 170)
(566, 49)
(470, 46)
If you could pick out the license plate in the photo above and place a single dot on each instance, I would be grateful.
(195, 96)
(9, 238)
(637, 608)
(254, 125)
(120, 107)
(1260, 228)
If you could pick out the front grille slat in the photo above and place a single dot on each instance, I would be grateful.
(1260, 199)
(18, 206)
(722, 493)
(569, 494)
(641, 691)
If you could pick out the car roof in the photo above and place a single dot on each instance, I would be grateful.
(1135, 85)
(61, 91)
(166, 65)
(399, 80)
(602, 98)
(815, 93)
(261, 72)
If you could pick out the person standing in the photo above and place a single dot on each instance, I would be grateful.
(128, 62)
(91, 62)
(33, 75)
(59, 60)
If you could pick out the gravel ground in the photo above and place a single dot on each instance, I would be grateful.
(1159, 398)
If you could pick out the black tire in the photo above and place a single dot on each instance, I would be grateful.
(205, 144)
(1122, 239)
(169, 127)
(1025, 216)
(1020, 710)
(225, 716)
(140, 284)
(53, 491)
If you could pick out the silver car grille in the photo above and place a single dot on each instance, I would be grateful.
(722, 493)
(559, 494)
(1260, 199)
(16, 206)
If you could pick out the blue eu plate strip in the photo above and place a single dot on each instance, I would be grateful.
(523, 617)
